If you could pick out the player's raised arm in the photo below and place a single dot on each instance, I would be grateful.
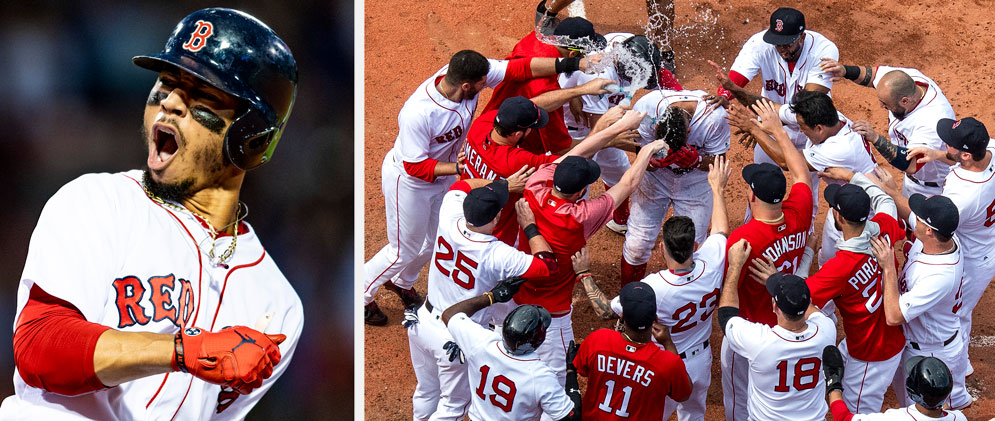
(770, 122)
(501, 293)
(729, 299)
(898, 156)
(634, 174)
(599, 139)
(736, 90)
(554, 100)
(599, 301)
(861, 75)
(718, 176)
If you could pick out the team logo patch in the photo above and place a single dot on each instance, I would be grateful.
(778, 26)
(781, 228)
(630, 348)
(198, 39)
(956, 123)
(193, 331)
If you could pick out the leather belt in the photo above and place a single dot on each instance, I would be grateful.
(922, 183)
(915, 346)
(428, 306)
(704, 345)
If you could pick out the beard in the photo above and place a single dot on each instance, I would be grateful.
(173, 192)
(899, 115)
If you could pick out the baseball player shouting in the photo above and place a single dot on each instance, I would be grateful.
(555, 193)
(785, 360)
(139, 286)
(872, 348)
(777, 232)
(626, 374)
(696, 134)
(468, 261)
(419, 169)
(508, 380)
(915, 104)
(926, 300)
(969, 185)
(928, 384)
(688, 291)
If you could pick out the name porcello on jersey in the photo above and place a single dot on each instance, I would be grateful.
(132, 308)
(477, 164)
(784, 245)
(624, 368)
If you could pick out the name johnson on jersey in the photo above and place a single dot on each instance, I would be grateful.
(785, 245)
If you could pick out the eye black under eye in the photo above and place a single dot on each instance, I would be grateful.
(156, 97)
(207, 118)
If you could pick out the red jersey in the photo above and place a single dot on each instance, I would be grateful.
(489, 160)
(554, 137)
(627, 381)
(784, 243)
(853, 281)
(566, 226)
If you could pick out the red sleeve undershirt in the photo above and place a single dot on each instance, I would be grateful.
(54, 346)
(539, 268)
(424, 170)
(519, 69)
(736, 78)
(840, 411)
(461, 185)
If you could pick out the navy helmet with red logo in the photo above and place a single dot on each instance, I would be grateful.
(238, 54)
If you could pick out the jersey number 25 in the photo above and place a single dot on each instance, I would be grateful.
(464, 265)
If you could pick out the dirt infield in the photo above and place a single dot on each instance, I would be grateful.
(952, 42)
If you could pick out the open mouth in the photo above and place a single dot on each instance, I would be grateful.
(164, 146)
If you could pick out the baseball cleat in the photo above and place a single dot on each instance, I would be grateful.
(668, 60)
(373, 316)
(409, 296)
(618, 228)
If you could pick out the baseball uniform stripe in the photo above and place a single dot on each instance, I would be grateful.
(224, 286)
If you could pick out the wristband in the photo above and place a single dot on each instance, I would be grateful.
(490, 296)
(531, 230)
(178, 350)
(852, 72)
(567, 65)
(584, 272)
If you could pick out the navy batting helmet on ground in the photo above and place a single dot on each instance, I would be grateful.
(525, 328)
(929, 381)
(642, 56)
(240, 55)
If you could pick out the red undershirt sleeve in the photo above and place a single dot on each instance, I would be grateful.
(424, 170)
(840, 411)
(738, 79)
(519, 69)
(461, 185)
(538, 269)
(54, 346)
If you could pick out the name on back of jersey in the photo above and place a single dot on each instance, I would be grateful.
(625, 368)
(868, 272)
(477, 165)
(785, 245)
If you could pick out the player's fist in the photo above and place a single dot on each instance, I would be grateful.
(572, 349)
(524, 213)
(581, 260)
(739, 252)
(507, 288)
(238, 357)
(832, 367)
(596, 86)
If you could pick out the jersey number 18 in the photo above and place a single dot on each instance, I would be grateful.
(804, 377)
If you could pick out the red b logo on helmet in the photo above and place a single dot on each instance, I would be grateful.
(779, 26)
(198, 39)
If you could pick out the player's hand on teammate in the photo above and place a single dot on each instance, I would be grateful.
(722, 77)
(596, 86)
(882, 251)
(453, 351)
(716, 101)
(741, 119)
(460, 162)
(628, 139)
(525, 215)
(572, 349)
(762, 268)
(630, 120)
(924, 154)
(576, 107)
(865, 130)
(833, 68)
(581, 260)
(653, 147)
(738, 253)
(883, 179)
(832, 367)
(507, 288)
(718, 173)
(837, 173)
(238, 357)
(768, 119)
(662, 335)
(516, 181)
(588, 61)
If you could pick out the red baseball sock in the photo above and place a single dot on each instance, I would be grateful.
(632, 273)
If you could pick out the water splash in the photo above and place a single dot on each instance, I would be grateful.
(693, 38)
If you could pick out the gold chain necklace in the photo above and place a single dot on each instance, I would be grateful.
(213, 233)
(631, 340)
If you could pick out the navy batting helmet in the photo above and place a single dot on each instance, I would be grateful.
(525, 328)
(639, 56)
(929, 382)
(240, 55)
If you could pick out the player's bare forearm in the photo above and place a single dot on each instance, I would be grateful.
(539, 244)
(600, 302)
(121, 357)
(730, 292)
(720, 215)
(884, 146)
(446, 168)
(468, 307)
(815, 87)
(889, 279)
(744, 97)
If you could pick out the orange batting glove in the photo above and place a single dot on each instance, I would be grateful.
(238, 357)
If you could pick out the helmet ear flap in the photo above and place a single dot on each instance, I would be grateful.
(250, 140)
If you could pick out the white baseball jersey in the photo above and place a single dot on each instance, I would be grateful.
(974, 195)
(709, 130)
(129, 263)
(577, 129)
(910, 413)
(786, 380)
(779, 84)
(466, 263)
(931, 295)
(918, 127)
(505, 386)
(845, 149)
(430, 126)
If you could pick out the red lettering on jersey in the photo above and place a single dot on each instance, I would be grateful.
(198, 39)
(990, 220)
(772, 85)
(959, 296)
(129, 293)
(225, 399)
(902, 138)
(503, 387)
(616, 99)
(451, 135)
(185, 302)
(162, 302)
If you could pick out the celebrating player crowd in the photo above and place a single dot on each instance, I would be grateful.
(500, 209)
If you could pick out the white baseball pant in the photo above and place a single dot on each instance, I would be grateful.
(613, 162)
(689, 194)
(977, 276)
(950, 355)
(864, 382)
(412, 209)
(443, 389)
(699, 367)
(553, 350)
(735, 384)
(910, 187)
